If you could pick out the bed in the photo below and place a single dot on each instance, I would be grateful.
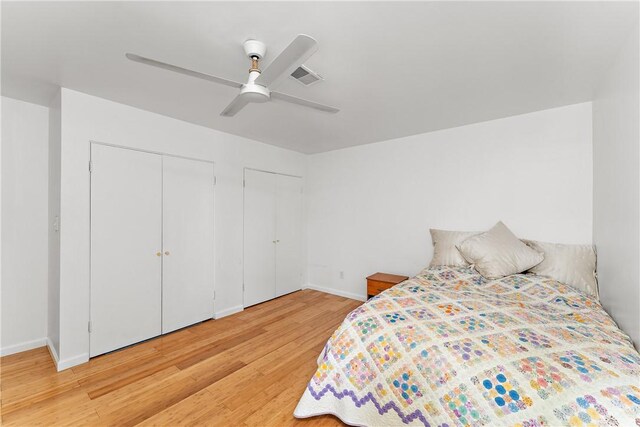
(451, 348)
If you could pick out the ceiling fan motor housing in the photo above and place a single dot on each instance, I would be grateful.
(255, 48)
(255, 93)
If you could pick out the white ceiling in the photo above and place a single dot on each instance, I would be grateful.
(394, 69)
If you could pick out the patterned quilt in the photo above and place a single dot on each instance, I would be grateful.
(449, 348)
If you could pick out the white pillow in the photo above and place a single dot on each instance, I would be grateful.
(498, 253)
(573, 265)
(444, 247)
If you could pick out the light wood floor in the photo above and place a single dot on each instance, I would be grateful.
(247, 369)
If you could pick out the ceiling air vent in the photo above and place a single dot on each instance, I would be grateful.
(306, 76)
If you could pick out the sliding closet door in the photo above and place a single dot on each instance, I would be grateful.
(126, 230)
(288, 234)
(259, 237)
(187, 282)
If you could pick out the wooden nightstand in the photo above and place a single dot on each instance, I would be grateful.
(379, 282)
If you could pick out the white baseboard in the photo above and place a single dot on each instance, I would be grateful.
(228, 311)
(23, 346)
(70, 362)
(336, 292)
(52, 352)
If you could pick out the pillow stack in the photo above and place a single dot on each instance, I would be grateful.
(498, 253)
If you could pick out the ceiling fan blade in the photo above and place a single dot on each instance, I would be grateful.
(176, 69)
(238, 103)
(300, 49)
(299, 101)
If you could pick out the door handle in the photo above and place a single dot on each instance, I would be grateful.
(158, 253)
(167, 253)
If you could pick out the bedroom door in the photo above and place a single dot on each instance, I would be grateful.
(288, 234)
(126, 245)
(259, 236)
(187, 275)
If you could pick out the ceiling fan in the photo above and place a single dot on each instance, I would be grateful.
(256, 89)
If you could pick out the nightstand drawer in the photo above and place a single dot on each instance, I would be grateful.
(374, 287)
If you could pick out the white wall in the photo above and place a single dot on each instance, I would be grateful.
(86, 118)
(53, 320)
(616, 195)
(25, 136)
(370, 207)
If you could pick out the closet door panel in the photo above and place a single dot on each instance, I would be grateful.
(126, 230)
(188, 262)
(288, 234)
(259, 237)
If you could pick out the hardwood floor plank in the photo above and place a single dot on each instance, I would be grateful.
(143, 403)
(38, 390)
(30, 357)
(217, 415)
(248, 369)
(107, 385)
(124, 374)
(118, 396)
(219, 373)
(62, 409)
(242, 379)
(220, 346)
(267, 386)
(113, 361)
(194, 406)
(23, 370)
(281, 406)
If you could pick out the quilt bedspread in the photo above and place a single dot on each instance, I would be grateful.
(449, 348)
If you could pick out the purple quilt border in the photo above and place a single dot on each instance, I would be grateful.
(382, 409)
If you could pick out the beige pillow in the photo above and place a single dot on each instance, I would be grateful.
(573, 265)
(444, 247)
(498, 253)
